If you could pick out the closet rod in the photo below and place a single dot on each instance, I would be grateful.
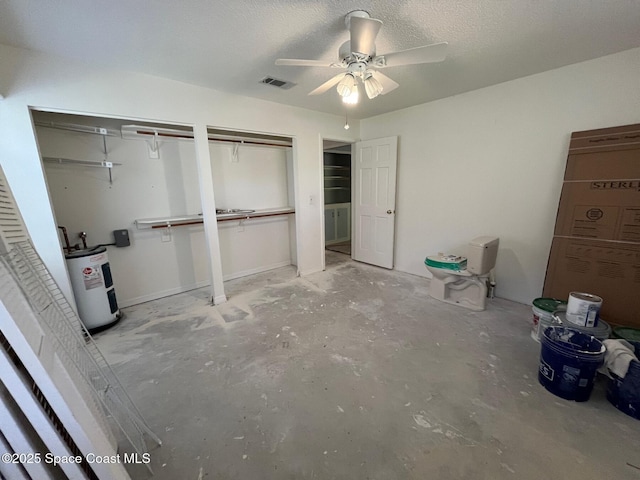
(249, 142)
(150, 131)
(179, 134)
(83, 163)
(79, 128)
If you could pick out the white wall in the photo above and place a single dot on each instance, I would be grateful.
(491, 162)
(29, 79)
(256, 179)
(255, 245)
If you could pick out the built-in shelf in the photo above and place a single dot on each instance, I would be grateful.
(164, 222)
(183, 220)
(257, 214)
(82, 163)
(337, 182)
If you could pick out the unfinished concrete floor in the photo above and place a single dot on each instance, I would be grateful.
(355, 373)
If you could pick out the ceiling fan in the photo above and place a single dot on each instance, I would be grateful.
(358, 56)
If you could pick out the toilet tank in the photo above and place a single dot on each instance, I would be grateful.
(482, 254)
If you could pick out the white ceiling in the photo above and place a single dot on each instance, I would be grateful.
(230, 45)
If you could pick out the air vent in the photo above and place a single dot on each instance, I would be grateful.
(277, 83)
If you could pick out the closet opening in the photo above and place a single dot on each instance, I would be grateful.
(128, 191)
(337, 196)
(255, 204)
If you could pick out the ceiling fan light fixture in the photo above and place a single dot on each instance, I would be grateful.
(360, 62)
(353, 97)
(372, 86)
(347, 85)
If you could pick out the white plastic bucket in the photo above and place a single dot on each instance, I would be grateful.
(543, 309)
(583, 309)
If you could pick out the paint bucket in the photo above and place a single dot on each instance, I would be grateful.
(583, 309)
(569, 360)
(624, 393)
(543, 309)
(601, 331)
(627, 333)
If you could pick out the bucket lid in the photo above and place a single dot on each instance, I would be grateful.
(548, 304)
(627, 333)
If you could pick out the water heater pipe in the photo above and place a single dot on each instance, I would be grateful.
(67, 247)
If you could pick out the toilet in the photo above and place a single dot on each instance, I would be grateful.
(463, 280)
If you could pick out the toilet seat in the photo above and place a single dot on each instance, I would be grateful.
(443, 261)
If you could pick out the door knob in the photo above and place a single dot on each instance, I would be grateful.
(389, 212)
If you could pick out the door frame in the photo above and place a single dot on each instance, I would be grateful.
(344, 141)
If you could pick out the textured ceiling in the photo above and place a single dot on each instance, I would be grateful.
(230, 45)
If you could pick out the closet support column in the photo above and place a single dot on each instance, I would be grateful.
(205, 179)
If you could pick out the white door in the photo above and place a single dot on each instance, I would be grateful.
(374, 200)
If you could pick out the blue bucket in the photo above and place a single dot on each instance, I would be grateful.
(624, 393)
(569, 360)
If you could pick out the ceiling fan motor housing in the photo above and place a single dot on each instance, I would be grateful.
(347, 57)
(355, 13)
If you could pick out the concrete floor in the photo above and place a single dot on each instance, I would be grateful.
(355, 373)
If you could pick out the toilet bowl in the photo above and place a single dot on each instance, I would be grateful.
(463, 280)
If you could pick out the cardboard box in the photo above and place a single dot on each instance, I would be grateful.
(596, 244)
(600, 209)
(610, 270)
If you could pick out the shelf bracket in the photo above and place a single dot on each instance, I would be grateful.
(105, 162)
(154, 151)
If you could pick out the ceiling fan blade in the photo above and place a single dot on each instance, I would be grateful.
(388, 85)
(295, 62)
(363, 34)
(328, 84)
(425, 54)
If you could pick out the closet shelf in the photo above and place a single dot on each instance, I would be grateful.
(182, 220)
(82, 163)
(165, 222)
(269, 212)
(337, 167)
